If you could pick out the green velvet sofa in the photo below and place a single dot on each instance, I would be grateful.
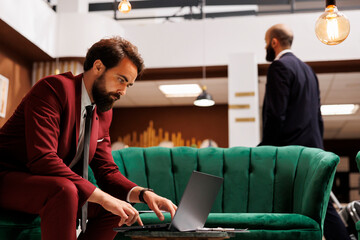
(275, 192)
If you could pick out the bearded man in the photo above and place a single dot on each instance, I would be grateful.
(43, 150)
(291, 110)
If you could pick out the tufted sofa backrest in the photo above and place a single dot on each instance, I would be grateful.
(256, 180)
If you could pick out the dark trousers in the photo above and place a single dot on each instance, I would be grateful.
(55, 199)
(334, 228)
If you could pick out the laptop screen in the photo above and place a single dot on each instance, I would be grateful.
(196, 202)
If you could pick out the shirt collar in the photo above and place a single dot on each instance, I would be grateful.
(282, 53)
(85, 99)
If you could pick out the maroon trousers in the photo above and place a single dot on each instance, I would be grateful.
(55, 199)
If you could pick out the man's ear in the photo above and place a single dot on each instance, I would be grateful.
(274, 42)
(98, 66)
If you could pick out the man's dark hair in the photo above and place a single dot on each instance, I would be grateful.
(285, 38)
(111, 51)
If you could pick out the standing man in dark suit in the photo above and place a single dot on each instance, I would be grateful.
(42, 148)
(291, 110)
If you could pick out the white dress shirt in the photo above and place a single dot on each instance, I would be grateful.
(85, 101)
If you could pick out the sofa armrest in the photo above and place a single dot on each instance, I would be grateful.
(358, 160)
(313, 186)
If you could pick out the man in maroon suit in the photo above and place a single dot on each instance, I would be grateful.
(41, 148)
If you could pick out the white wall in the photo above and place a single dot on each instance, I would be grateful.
(68, 33)
(34, 19)
(182, 44)
(189, 43)
(78, 31)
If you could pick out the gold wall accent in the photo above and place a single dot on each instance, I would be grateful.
(244, 119)
(244, 94)
(149, 138)
(239, 106)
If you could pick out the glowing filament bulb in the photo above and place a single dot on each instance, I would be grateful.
(332, 28)
(124, 6)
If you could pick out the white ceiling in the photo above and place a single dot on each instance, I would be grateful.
(338, 88)
(267, 7)
(147, 93)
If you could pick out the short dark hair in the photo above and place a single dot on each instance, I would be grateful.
(111, 51)
(283, 36)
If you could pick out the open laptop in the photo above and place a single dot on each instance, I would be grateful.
(194, 207)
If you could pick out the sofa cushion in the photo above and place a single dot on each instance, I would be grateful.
(19, 219)
(261, 226)
(275, 221)
(252, 221)
(267, 226)
(19, 225)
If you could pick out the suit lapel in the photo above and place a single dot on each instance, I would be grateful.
(78, 86)
(94, 133)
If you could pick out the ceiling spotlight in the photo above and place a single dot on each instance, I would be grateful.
(204, 99)
(332, 27)
(124, 6)
(180, 90)
(339, 109)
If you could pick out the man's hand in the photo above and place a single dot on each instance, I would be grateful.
(155, 202)
(128, 214)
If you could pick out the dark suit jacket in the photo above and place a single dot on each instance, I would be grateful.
(41, 137)
(291, 110)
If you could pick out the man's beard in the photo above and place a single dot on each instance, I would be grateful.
(270, 54)
(104, 100)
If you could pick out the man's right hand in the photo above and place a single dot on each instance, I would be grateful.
(128, 214)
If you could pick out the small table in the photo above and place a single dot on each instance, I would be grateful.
(168, 235)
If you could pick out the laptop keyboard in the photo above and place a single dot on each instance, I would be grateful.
(150, 227)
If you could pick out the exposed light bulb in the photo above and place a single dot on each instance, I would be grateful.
(332, 27)
(124, 6)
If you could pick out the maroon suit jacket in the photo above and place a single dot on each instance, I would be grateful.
(41, 137)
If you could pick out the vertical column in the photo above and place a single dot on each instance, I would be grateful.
(243, 114)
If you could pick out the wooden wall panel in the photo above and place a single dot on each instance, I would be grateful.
(18, 71)
(191, 121)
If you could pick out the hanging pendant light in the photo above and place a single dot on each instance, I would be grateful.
(204, 99)
(124, 6)
(332, 27)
